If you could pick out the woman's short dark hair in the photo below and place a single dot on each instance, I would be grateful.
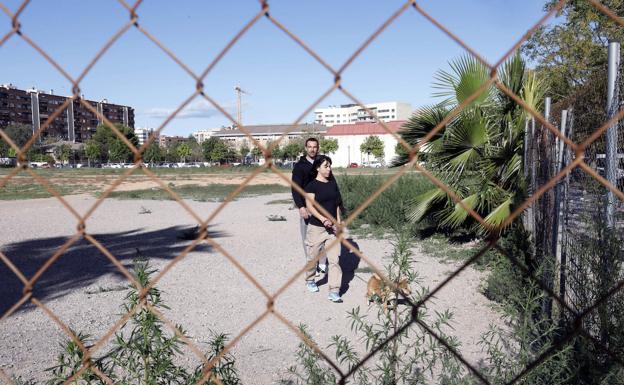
(318, 162)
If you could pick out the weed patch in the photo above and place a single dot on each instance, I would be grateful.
(213, 192)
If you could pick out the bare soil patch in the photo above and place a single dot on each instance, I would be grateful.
(205, 290)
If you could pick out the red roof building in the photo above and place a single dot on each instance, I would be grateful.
(351, 136)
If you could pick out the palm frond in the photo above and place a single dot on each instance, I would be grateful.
(533, 91)
(421, 204)
(512, 76)
(467, 76)
(495, 218)
(418, 126)
(459, 214)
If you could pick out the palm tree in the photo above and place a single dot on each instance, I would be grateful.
(478, 154)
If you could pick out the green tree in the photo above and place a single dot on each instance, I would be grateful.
(400, 151)
(244, 150)
(478, 154)
(197, 153)
(171, 152)
(19, 134)
(373, 145)
(118, 151)
(219, 151)
(257, 153)
(569, 52)
(208, 145)
(112, 147)
(329, 146)
(278, 153)
(92, 151)
(63, 152)
(293, 150)
(183, 150)
(153, 153)
(231, 155)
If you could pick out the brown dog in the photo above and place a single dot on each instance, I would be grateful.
(377, 287)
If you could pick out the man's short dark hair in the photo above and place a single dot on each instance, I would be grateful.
(311, 140)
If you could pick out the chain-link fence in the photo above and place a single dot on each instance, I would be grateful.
(577, 225)
(581, 165)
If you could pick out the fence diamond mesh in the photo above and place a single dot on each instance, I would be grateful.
(581, 171)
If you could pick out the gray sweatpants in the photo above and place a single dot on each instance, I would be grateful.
(304, 230)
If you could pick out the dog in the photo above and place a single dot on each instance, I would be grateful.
(377, 288)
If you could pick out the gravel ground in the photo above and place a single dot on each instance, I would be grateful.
(205, 291)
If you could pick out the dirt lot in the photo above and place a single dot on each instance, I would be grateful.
(205, 291)
(138, 180)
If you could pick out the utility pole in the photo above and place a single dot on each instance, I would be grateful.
(239, 92)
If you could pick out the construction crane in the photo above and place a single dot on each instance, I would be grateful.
(239, 92)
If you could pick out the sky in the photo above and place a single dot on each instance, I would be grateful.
(281, 80)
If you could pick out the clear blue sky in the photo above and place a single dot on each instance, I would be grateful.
(282, 79)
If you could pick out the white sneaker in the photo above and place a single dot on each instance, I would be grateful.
(312, 288)
(334, 297)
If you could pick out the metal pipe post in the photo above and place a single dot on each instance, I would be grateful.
(613, 102)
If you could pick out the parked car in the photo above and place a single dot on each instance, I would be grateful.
(372, 163)
(353, 165)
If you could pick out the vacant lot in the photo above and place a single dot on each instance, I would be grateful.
(92, 181)
(205, 291)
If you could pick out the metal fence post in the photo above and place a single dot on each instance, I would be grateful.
(556, 228)
(528, 219)
(611, 161)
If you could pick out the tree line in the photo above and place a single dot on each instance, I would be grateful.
(106, 147)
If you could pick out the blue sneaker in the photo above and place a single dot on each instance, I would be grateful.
(334, 297)
(312, 288)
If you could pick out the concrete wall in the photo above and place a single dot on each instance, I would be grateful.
(349, 149)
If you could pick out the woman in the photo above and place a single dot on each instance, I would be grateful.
(323, 190)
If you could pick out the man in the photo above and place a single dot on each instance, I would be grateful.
(301, 177)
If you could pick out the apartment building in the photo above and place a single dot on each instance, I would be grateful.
(143, 134)
(353, 113)
(166, 141)
(75, 123)
(202, 135)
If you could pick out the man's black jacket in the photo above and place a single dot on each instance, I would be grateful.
(301, 176)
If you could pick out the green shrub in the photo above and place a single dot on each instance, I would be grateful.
(389, 209)
(506, 279)
(143, 352)
(598, 258)
(411, 357)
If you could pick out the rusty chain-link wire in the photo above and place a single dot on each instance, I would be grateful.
(203, 236)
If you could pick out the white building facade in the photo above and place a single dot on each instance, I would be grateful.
(353, 113)
(351, 136)
(143, 134)
(200, 136)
